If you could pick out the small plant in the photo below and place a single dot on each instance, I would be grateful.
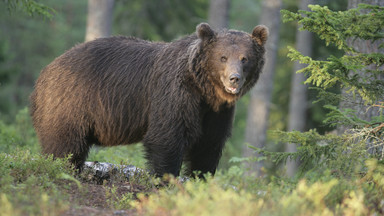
(118, 200)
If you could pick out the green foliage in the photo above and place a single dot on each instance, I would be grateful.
(339, 28)
(22, 165)
(18, 135)
(322, 195)
(28, 44)
(344, 154)
(334, 71)
(356, 72)
(312, 148)
(30, 7)
(29, 184)
(197, 198)
(117, 201)
(7, 75)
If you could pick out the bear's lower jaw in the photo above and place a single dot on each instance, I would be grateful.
(232, 90)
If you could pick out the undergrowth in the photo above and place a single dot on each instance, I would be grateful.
(31, 184)
(360, 195)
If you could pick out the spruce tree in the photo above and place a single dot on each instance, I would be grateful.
(355, 72)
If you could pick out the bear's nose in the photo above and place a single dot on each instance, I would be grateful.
(234, 78)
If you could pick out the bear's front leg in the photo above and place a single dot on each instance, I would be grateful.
(164, 150)
(204, 155)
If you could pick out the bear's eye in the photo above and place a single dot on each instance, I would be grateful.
(223, 59)
(244, 60)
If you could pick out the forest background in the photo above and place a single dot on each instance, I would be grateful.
(256, 158)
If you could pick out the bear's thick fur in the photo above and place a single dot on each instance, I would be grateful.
(178, 98)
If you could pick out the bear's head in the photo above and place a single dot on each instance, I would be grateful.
(229, 62)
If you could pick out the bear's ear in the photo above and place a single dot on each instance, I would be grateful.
(204, 31)
(260, 34)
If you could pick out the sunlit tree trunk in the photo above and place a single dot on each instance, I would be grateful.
(298, 97)
(99, 20)
(261, 94)
(219, 13)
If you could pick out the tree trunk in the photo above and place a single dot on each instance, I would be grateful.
(298, 98)
(219, 13)
(99, 20)
(261, 94)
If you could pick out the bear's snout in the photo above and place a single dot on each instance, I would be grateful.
(234, 78)
(233, 83)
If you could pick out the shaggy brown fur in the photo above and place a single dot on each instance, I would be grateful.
(178, 98)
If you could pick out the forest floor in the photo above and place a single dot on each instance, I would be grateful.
(91, 199)
(100, 196)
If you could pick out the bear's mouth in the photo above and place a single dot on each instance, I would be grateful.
(232, 90)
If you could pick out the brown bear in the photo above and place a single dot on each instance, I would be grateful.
(178, 98)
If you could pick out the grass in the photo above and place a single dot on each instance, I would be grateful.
(35, 185)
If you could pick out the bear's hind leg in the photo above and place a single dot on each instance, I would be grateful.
(65, 141)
